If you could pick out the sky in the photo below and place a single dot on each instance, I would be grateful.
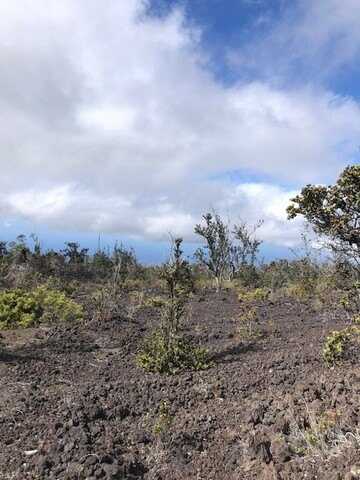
(132, 118)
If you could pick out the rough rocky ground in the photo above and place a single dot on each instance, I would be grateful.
(74, 405)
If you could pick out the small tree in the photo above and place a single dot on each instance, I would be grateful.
(215, 255)
(74, 254)
(334, 212)
(244, 252)
(125, 262)
(166, 351)
(19, 252)
(179, 283)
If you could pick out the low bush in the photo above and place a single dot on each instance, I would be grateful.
(300, 291)
(258, 294)
(337, 342)
(19, 308)
(160, 355)
(155, 302)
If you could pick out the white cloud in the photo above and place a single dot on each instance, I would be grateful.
(311, 40)
(40, 205)
(261, 201)
(330, 27)
(111, 123)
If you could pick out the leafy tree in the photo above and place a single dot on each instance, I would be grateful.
(101, 263)
(228, 253)
(244, 252)
(215, 255)
(74, 254)
(19, 251)
(334, 212)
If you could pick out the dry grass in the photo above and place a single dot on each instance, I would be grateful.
(322, 435)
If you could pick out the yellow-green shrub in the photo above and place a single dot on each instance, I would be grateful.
(336, 343)
(258, 294)
(19, 308)
(155, 302)
(299, 291)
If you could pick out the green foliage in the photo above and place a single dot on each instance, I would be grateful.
(19, 252)
(165, 351)
(243, 253)
(300, 291)
(227, 253)
(337, 342)
(169, 357)
(178, 280)
(215, 255)
(74, 254)
(155, 302)
(19, 308)
(69, 287)
(334, 211)
(257, 294)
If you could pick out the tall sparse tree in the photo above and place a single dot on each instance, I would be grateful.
(244, 250)
(215, 255)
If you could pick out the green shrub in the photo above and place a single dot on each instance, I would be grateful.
(169, 357)
(166, 350)
(257, 294)
(155, 302)
(19, 308)
(336, 343)
(299, 291)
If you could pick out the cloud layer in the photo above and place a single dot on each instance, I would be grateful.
(312, 41)
(112, 122)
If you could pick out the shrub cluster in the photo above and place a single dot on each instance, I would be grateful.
(337, 342)
(19, 308)
(163, 356)
(257, 294)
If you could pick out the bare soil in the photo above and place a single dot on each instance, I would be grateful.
(74, 405)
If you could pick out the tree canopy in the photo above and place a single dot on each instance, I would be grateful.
(333, 211)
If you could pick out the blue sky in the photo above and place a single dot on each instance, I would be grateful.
(131, 119)
(225, 25)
